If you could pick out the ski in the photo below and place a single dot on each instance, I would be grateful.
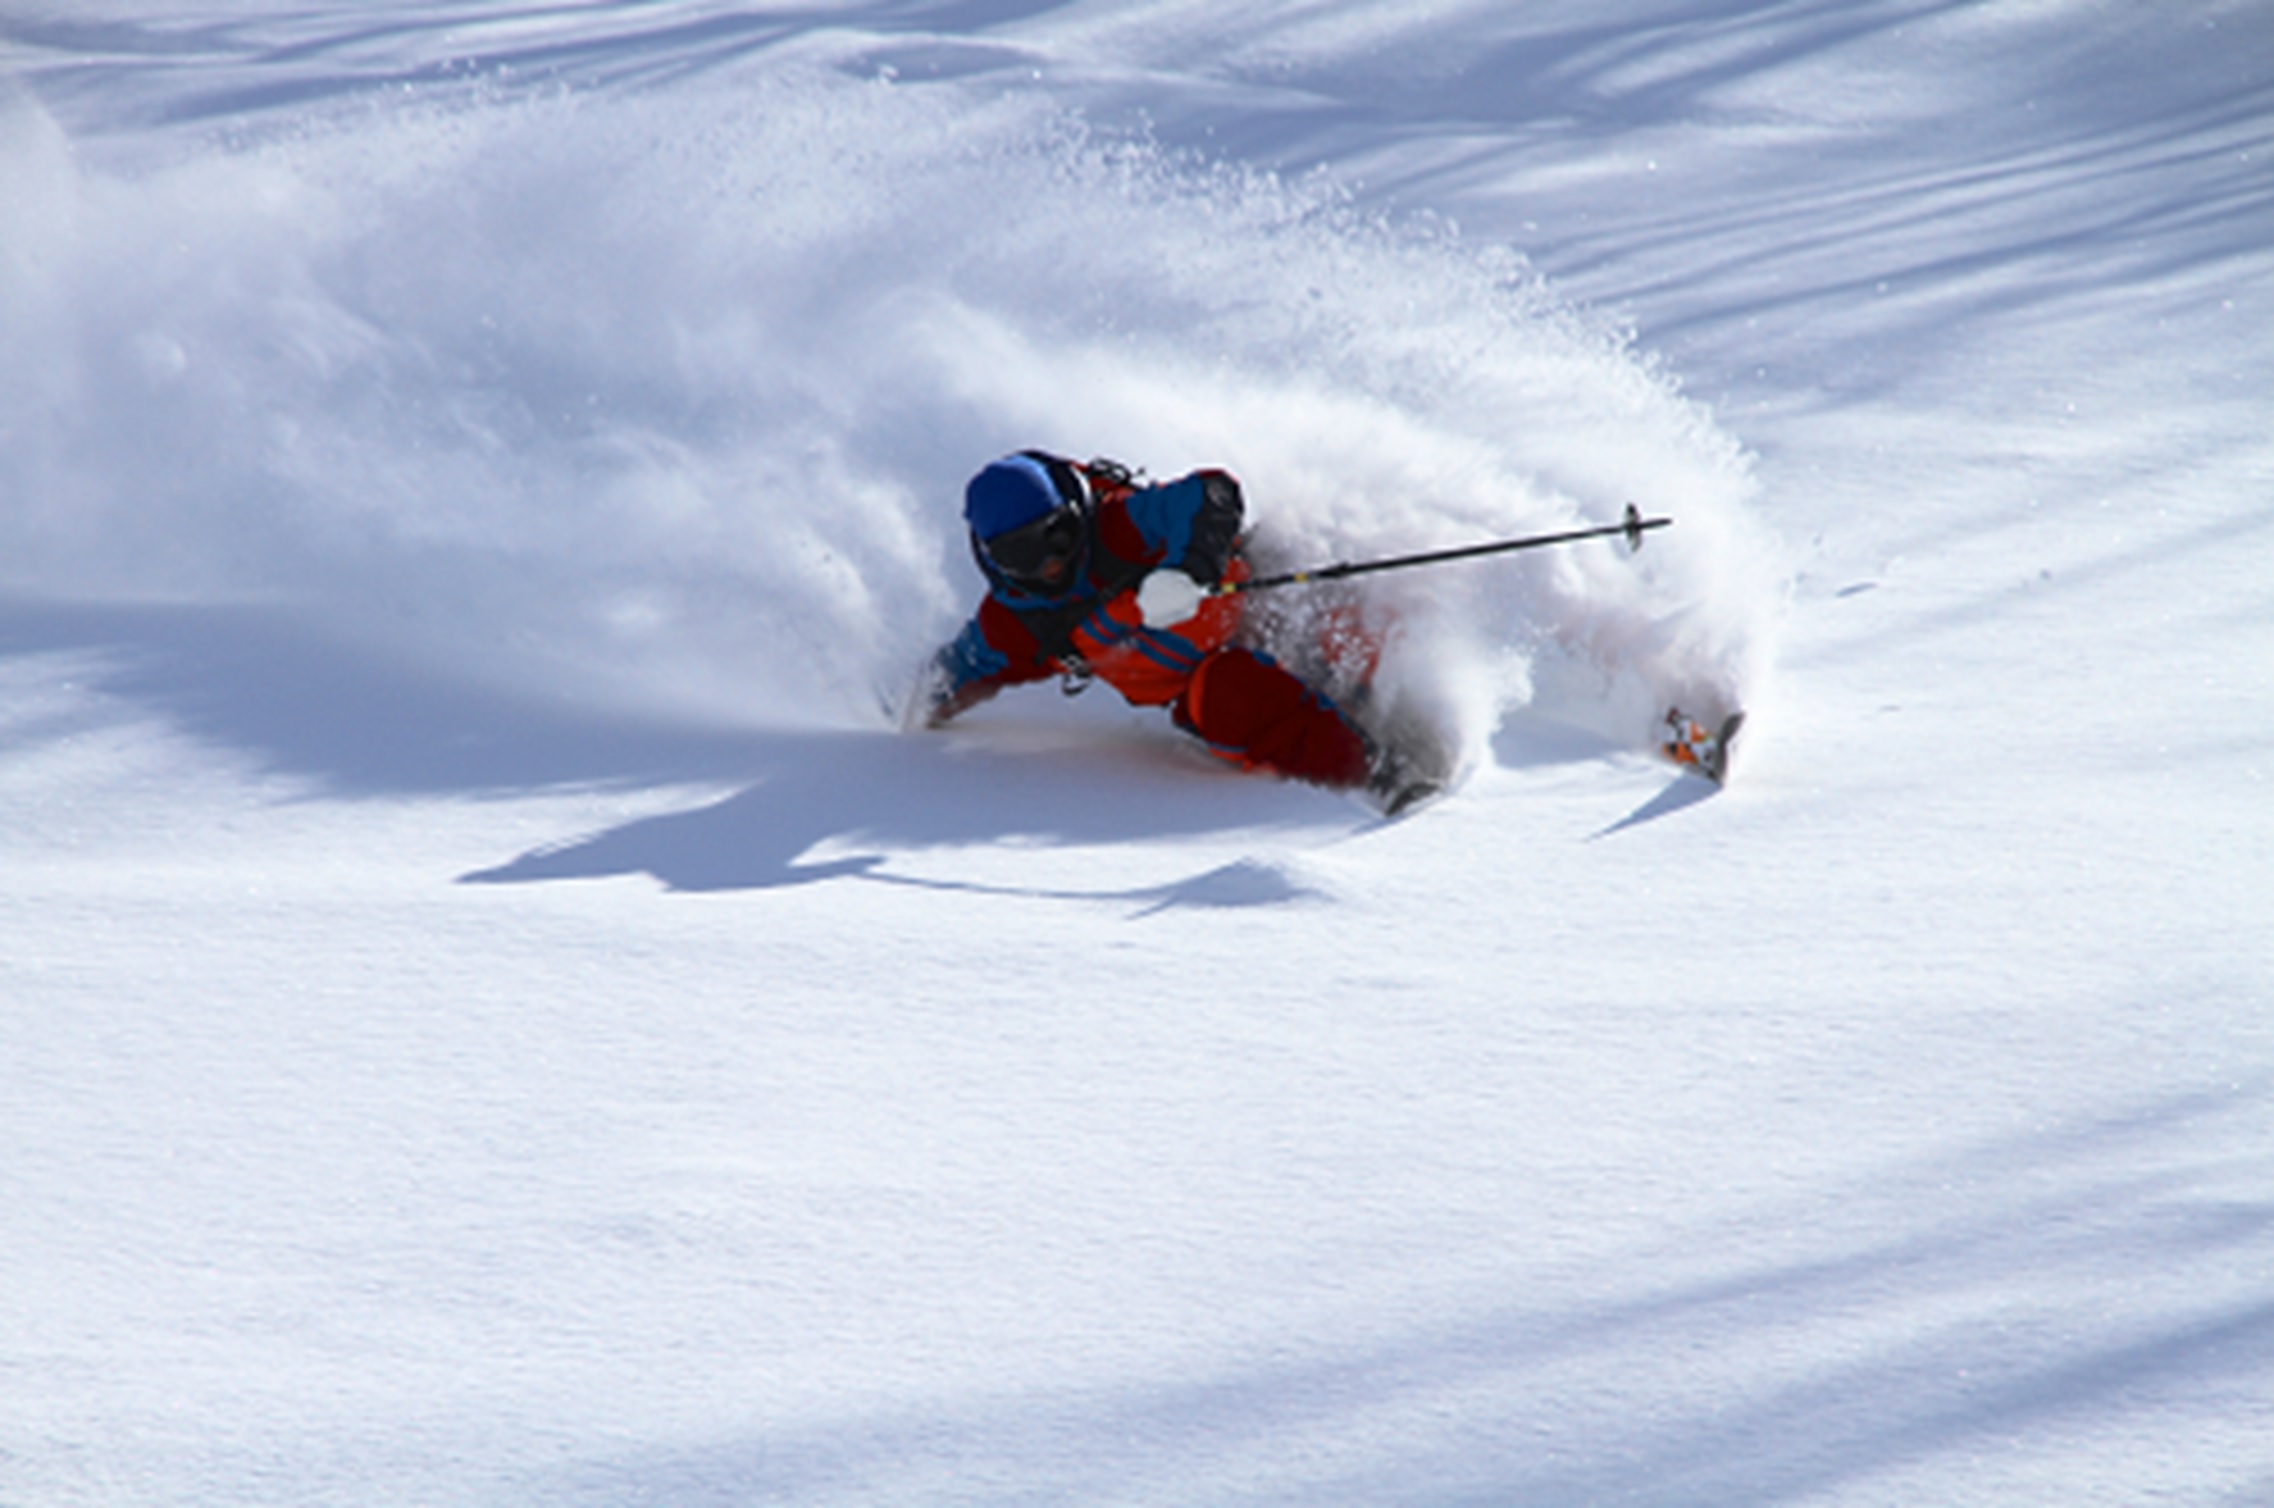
(1395, 801)
(1412, 765)
(1694, 746)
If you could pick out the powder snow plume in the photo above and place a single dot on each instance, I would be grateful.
(673, 397)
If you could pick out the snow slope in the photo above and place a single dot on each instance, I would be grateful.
(490, 1012)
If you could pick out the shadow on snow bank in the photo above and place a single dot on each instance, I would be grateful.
(355, 722)
(828, 792)
(2049, 1287)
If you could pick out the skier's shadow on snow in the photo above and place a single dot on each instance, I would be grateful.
(335, 717)
(837, 805)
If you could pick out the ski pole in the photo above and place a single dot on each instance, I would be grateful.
(1633, 527)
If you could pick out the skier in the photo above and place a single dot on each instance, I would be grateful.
(1092, 574)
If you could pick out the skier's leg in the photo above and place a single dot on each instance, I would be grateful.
(1250, 711)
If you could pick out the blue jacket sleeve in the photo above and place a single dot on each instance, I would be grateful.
(992, 650)
(968, 657)
(1193, 521)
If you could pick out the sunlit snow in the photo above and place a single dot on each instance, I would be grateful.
(492, 1009)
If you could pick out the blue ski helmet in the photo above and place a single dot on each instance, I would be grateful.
(1007, 493)
(1030, 525)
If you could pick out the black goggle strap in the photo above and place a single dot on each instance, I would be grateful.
(1073, 487)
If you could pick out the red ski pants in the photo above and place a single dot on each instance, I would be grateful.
(1258, 716)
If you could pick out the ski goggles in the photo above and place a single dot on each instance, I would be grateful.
(1042, 550)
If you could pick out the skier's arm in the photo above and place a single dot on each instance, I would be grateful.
(973, 666)
(1193, 522)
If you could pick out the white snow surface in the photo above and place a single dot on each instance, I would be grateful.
(492, 1011)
